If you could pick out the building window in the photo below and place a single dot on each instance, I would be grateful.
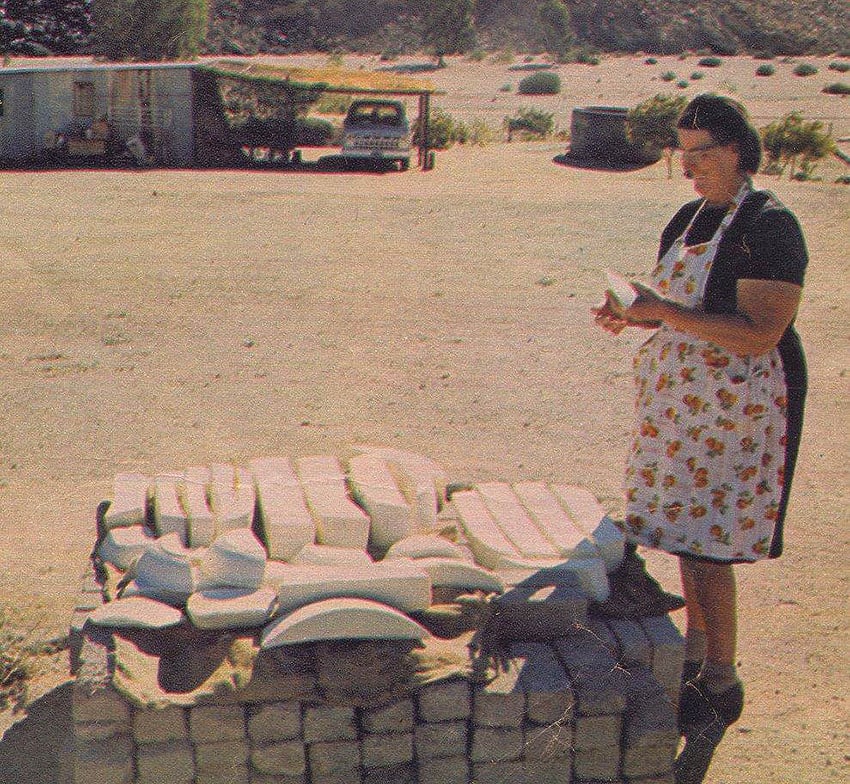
(83, 99)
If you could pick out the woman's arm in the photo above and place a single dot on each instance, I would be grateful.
(765, 308)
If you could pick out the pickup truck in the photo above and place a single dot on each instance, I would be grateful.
(377, 130)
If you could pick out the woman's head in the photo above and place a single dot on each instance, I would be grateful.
(727, 123)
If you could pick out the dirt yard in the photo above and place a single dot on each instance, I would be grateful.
(153, 320)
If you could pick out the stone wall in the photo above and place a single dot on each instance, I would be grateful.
(597, 704)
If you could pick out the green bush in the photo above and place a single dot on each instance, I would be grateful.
(837, 88)
(332, 103)
(506, 88)
(710, 62)
(668, 76)
(542, 83)
(793, 141)
(651, 125)
(443, 131)
(531, 123)
(841, 67)
(805, 69)
(481, 134)
(314, 132)
(697, 75)
(682, 84)
(650, 61)
(765, 69)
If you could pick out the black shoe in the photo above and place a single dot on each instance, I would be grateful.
(698, 705)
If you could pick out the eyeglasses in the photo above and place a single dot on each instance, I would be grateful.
(699, 152)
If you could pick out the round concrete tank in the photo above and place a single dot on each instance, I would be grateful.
(598, 133)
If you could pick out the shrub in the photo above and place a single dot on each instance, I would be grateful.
(332, 103)
(477, 55)
(506, 88)
(710, 62)
(805, 69)
(682, 84)
(650, 61)
(837, 65)
(793, 140)
(697, 75)
(505, 57)
(765, 69)
(314, 132)
(651, 125)
(837, 88)
(16, 664)
(763, 55)
(542, 83)
(668, 76)
(531, 123)
(481, 134)
(443, 130)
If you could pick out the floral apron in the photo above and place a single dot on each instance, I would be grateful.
(706, 468)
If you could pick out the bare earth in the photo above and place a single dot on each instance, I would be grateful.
(153, 320)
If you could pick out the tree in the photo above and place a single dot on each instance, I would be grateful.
(794, 139)
(651, 125)
(448, 27)
(149, 29)
(555, 27)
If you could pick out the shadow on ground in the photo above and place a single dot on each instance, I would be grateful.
(30, 749)
(599, 164)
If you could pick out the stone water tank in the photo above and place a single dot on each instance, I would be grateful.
(598, 133)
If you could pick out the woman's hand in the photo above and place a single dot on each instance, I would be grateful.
(648, 309)
(609, 315)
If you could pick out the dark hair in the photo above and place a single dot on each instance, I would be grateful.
(728, 123)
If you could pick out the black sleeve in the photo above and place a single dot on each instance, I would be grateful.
(677, 225)
(773, 249)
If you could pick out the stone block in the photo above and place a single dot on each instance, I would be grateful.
(460, 574)
(232, 774)
(275, 721)
(329, 722)
(266, 778)
(230, 608)
(332, 757)
(668, 652)
(281, 758)
(337, 777)
(102, 704)
(285, 523)
(339, 521)
(160, 725)
(166, 571)
(404, 773)
(325, 555)
(232, 498)
(650, 716)
(374, 488)
(548, 771)
(425, 546)
(122, 547)
(496, 744)
(597, 764)
(639, 762)
(634, 645)
(440, 739)
(549, 742)
(384, 751)
(172, 761)
(399, 584)
(136, 612)
(597, 732)
(168, 514)
(549, 697)
(550, 517)
(498, 772)
(394, 717)
(104, 762)
(514, 521)
(599, 684)
(444, 701)
(445, 770)
(336, 619)
(216, 723)
(236, 559)
(501, 702)
(222, 757)
(532, 612)
(129, 501)
(100, 730)
(488, 543)
(194, 495)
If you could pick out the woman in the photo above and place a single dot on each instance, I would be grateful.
(720, 390)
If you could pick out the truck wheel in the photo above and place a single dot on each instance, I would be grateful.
(404, 164)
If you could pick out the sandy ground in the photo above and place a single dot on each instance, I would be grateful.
(153, 320)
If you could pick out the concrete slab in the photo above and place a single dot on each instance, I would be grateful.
(339, 521)
(341, 618)
(285, 522)
(166, 571)
(395, 583)
(236, 559)
(195, 496)
(324, 555)
(549, 516)
(129, 501)
(425, 546)
(122, 547)
(374, 488)
(230, 608)
(169, 516)
(488, 543)
(231, 497)
(514, 521)
(454, 573)
(136, 612)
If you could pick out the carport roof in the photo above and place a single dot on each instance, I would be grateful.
(329, 79)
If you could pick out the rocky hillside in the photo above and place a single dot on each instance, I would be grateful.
(40, 27)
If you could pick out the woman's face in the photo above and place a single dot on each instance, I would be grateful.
(712, 166)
